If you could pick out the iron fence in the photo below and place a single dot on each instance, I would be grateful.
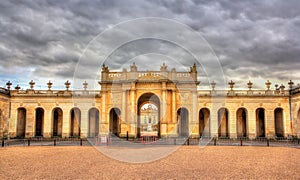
(116, 141)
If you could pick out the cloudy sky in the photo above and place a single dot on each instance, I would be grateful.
(47, 40)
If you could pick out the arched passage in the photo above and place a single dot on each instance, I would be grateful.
(39, 122)
(21, 122)
(148, 120)
(260, 122)
(93, 122)
(57, 119)
(241, 122)
(114, 121)
(204, 122)
(223, 130)
(183, 122)
(279, 128)
(75, 122)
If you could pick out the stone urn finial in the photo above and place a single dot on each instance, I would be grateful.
(290, 83)
(8, 84)
(49, 85)
(231, 85)
(85, 84)
(163, 67)
(268, 85)
(133, 67)
(281, 88)
(17, 88)
(249, 85)
(213, 85)
(31, 83)
(67, 83)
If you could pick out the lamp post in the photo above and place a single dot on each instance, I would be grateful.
(291, 83)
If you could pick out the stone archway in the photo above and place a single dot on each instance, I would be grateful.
(260, 122)
(223, 130)
(241, 122)
(114, 121)
(21, 122)
(279, 127)
(204, 122)
(39, 122)
(183, 122)
(93, 122)
(148, 119)
(75, 122)
(57, 122)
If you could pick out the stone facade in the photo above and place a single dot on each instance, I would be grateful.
(183, 109)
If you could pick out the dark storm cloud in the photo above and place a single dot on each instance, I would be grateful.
(253, 39)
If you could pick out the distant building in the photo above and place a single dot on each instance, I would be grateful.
(157, 103)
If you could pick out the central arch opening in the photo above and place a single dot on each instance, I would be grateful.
(148, 120)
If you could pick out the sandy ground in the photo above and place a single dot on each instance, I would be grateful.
(189, 162)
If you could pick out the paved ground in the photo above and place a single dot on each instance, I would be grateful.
(187, 162)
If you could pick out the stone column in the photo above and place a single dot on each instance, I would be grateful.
(84, 124)
(214, 122)
(251, 123)
(30, 121)
(270, 123)
(194, 121)
(133, 117)
(123, 111)
(163, 113)
(174, 113)
(232, 124)
(163, 106)
(286, 122)
(173, 126)
(103, 120)
(47, 122)
(66, 123)
(13, 123)
(124, 121)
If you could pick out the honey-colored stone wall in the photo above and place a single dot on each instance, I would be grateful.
(174, 90)
(168, 121)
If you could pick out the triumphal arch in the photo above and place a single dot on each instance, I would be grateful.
(160, 103)
(149, 102)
